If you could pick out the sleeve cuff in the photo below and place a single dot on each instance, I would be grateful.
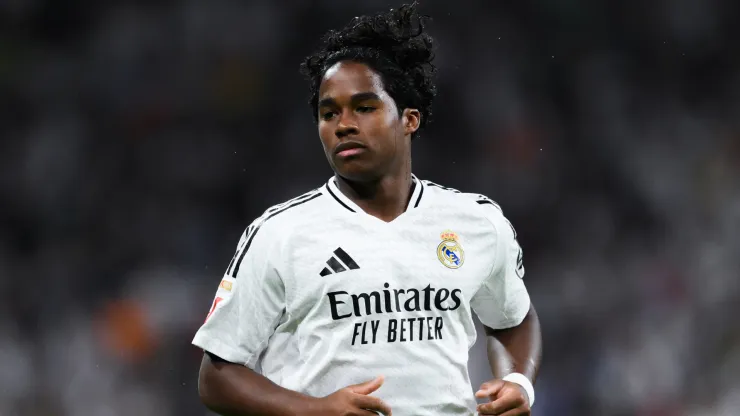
(224, 351)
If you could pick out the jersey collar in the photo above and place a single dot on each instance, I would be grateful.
(333, 190)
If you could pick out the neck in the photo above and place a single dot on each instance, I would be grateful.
(385, 198)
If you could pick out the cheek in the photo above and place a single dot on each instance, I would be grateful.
(390, 117)
(392, 124)
(326, 135)
(384, 122)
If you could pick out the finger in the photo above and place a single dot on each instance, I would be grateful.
(499, 406)
(368, 386)
(489, 389)
(365, 412)
(519, 411)
(371, 403)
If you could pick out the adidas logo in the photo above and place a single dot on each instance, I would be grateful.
(336, 265)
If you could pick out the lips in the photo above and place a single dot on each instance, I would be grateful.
(349, 149)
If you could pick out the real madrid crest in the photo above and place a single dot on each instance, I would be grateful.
(449, 251)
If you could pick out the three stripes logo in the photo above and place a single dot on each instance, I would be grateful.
(338, 266)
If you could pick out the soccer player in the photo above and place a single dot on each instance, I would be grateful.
(357, 298)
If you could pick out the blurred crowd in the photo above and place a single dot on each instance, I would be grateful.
(140, 138)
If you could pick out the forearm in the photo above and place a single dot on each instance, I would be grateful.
(234, 390)
(517, 349)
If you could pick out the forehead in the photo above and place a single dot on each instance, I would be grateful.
(346, 78)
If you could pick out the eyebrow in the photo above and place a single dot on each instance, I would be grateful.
(360, 96)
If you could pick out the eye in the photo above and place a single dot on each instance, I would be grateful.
(365, 109)
(327, 115)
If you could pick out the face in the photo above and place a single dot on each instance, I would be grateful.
(363, 135)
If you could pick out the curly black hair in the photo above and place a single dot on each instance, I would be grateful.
(393, 44)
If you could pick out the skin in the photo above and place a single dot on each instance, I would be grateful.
(355, 108)
(519, 350)
(235, 390)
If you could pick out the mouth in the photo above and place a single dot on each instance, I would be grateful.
(348, 149)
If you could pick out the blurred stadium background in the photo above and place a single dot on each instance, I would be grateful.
(139, 139)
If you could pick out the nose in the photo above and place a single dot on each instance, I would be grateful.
(347, 125)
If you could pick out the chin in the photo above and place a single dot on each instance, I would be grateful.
(356, 172)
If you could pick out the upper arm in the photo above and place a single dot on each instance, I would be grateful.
(502, 300)
(207, 371)
(221, 385)
(248, 304)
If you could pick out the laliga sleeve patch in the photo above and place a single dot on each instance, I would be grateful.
(225, 285)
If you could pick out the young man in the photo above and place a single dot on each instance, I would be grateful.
(357, 298)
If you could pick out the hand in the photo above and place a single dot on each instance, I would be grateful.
(351, 401)
(507, 399)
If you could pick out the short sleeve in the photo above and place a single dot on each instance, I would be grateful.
(502, 300)
(248, 305)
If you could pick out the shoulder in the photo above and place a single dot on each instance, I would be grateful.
(264, 235)
(286, 216)
(469, 201)
(472, 204)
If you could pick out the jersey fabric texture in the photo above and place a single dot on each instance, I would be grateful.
(321, 295)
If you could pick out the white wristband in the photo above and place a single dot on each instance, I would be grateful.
(523, 381)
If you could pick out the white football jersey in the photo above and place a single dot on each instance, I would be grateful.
(321, 295)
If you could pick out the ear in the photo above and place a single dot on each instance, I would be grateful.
(411, 118)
